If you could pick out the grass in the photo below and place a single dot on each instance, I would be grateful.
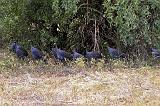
(34, 83)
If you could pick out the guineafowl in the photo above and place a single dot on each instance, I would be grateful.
(61, 54)
(155, 53)
(13, 47)
(57, 55)
(36, 53)
(114, 53)
(76, 55)
(54, 52)
(21, 52)
(154, 50)
(92, 55)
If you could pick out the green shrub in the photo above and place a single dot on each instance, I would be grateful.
(137, 22)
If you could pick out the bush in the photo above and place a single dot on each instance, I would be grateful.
(137, 23)
(130, 25)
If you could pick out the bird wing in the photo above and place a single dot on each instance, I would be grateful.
(156, 53)
(96, 54)
(114, 53)
(154, 50)
(76, 55)
(66, 54)
(37, 53)
(24, 51)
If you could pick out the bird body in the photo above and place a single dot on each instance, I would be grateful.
(54, 52)
(36, 53)
(61, 54)
(155, 53)
(21, 52)
(154, 50)
(76, 55)
(114, 53)
(93, 55)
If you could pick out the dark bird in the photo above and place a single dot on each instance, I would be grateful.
(75, 55)
(155, 53)
(61, 54)
(154, 50)
(92, 55)
(114, 53)
(13, 47)
(54, 52)
(36, 53)
(21, 52)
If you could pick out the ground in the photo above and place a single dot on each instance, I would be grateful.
(35, 83)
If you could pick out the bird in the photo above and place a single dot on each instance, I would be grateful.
(13, 47)
(75, 55)
(155, 53)
(114, 53)
(36, 53)
(61, 54)
(54, 52)
(21, 52)
(92, 55)
(154, 50)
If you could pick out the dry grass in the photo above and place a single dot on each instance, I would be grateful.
(34, 83)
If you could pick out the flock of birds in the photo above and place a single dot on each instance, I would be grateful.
(62, 55)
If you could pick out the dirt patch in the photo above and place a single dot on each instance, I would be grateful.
(99, 87)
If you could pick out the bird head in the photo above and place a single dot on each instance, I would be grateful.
(31, 47)
(14, 43)
(73, 50)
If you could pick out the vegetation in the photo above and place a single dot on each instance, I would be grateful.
(136, 22)
(129, 25)
(35, 83)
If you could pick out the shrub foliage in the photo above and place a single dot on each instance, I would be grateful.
(130, 25)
